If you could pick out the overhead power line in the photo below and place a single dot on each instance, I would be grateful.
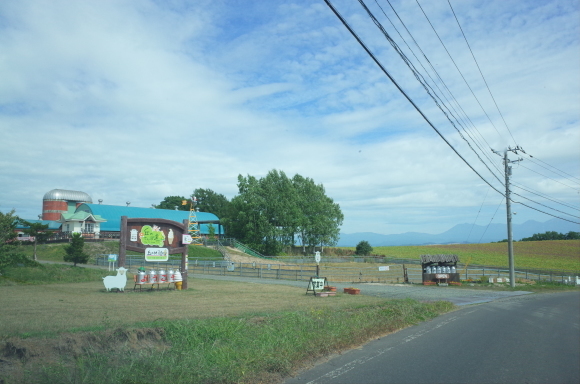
(462, 116)
(452, 116)
(555, 170)
(368, 51)
(422, 81)
(461, 73)
(480, 72)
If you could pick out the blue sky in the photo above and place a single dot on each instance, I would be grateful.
(135, 101)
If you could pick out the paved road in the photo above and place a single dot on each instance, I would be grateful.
(394, 291)
(525, 339)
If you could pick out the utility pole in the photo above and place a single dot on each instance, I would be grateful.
(508, 173)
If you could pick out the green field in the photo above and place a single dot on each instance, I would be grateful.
(561, 255)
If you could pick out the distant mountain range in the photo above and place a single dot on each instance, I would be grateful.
(461, 233)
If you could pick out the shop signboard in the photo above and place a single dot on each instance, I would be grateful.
(155, 238)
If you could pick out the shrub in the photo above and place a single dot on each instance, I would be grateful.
(363, 248)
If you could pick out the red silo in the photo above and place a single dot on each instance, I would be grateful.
(59, 201)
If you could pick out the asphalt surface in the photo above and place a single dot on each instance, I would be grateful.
(458, 296)
(525, 339)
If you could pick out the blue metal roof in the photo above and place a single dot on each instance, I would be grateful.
(113, 213)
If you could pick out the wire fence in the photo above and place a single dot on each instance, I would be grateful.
(357, 272)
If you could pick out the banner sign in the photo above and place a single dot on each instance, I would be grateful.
(156, 254)
(384, 268)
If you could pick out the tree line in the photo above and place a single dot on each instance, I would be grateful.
(272, 212)
(553, 235)
(549, 235)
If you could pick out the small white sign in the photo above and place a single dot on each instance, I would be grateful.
(317, 257)
(156, 254)
(112, 258)
(384, 268)
(134, 233)
(186, 239)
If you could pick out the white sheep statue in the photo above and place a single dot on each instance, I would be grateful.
(118, 281)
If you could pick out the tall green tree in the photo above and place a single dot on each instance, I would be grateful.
(74, 251)
(9, 244)
(212, 202)
(249, 221)
(276, 211)
(320, 217)
(39, 231)
(170, 202)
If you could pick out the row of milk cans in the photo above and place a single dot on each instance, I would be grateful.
(440, 269)
(156, 277)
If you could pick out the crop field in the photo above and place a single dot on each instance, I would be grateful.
(562, 255)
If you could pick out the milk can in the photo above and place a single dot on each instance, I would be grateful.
(152, 277)
(428, 269)
(453, 269)
(162, 276)
(141, 277)
(171, 275)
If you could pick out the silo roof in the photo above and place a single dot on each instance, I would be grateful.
(67, 195)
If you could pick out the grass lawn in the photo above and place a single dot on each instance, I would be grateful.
(214, 332)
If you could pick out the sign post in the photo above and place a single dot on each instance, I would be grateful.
(112, 259)
(317, 259)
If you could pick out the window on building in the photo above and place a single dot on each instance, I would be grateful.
(89, 227)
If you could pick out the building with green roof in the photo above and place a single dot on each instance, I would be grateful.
(111, 214)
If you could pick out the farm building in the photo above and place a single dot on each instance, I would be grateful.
(68, 211)
(113, 214)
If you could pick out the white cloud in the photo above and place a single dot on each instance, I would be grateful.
(137, 101)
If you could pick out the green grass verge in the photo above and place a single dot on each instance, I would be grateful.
(257, 348)
(56, 252)
(49, 274)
